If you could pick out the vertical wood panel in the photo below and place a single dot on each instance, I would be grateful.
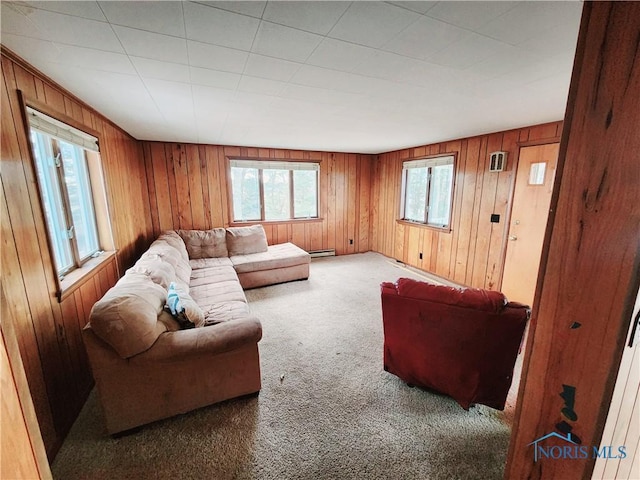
(472, 252)
(590, 257)
(48, 333)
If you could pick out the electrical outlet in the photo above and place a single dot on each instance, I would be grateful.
(420, 255)
(351, 241)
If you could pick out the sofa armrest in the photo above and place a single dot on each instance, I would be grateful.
(219, 338)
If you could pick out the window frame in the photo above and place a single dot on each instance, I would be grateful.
(254, 163)
(430, 162)
(74, 277)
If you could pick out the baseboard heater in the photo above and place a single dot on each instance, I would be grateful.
(331, 252)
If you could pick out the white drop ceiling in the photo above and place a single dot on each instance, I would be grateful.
(359, 76)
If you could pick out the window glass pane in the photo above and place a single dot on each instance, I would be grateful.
(277, 204)
(305, 193)
(440, 195)
(52, 200)
(536, 173)
(415, 197)
(76, 179)
(246, 193)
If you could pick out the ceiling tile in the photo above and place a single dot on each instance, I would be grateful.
(271, 68)
(385, 65)
(94, 59)
(416, 6)
(319, 95)
(261, 85)
(214, 78)
(339, 55)
(313, 76)
(216, 58)
(84, 9)
(372, 23)
(33, 50)
(14, 22)
(549, 42)
(78, 31)
(425, 37)
(470, 15)
(283, 42)
(472, 49)
(212, 99)
(527, 19)
(148, 68)
(158, 17)
(316, 17)
(212, 25)
(152, 45)
(509, 60)
(251, 8)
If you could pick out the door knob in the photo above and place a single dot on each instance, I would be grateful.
(513, 238)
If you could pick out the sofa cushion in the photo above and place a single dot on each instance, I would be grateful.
(225, 312)
(485, 300)
(204, 276)
(170, 254)
(173, 239)
(277, 256)
(210, 262)
(205, 243)
(223, 291)
(127, 316)
(157, 269)
(246, 240)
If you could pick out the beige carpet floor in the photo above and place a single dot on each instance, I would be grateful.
(327, 410)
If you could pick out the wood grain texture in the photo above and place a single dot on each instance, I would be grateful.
(472, 253)
(48, 332)
(590, 265)
(188, 186)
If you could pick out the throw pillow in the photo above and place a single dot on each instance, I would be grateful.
(183, 308)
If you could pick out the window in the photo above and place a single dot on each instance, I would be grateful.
(61, 155)
(427, 190)
(266, 190)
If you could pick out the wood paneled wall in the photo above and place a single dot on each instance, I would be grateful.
(48, 332)
(472, 253)
(590, 264)
(188, 190)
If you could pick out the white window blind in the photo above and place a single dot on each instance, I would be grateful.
(275, 165)
(428, 162)
(50, 126)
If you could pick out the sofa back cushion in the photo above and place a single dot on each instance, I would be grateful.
(478, 299)
(205, 243)
(127, 316)
(158, 270)
(173, 239)
(246, 240)
(168, 253)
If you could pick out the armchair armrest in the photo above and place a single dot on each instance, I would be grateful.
(219, 338)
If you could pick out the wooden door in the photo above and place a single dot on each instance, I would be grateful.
(531, 199)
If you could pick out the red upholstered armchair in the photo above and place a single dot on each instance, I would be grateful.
(460, 342)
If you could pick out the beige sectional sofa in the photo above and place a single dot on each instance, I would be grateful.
(146, 366)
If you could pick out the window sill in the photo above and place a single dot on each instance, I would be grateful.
(78, 277)
(276, 222)
(424, 225)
